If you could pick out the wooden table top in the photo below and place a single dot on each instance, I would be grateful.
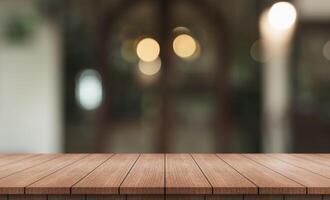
(165, 174)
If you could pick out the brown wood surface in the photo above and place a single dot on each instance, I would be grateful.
(164, 176)
(11, 158)
(309, 165)
(185, 197)
(315, 158)
(315, 183)
(15, 167)
(16, 183)
(105, 197)
(145, 197)
(264, 197)
(66, 197)
(147, 176)
(268, 181)
(223, 178)
(183, 176)
(303, 197)
(27, 197)
(108, 177)
(61, 181)
(224, 197)
(162, 197)
(324, 155)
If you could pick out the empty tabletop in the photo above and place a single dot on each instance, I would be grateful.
(158, 175)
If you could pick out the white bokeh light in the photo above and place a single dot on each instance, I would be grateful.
(89, 89)
(282, 15)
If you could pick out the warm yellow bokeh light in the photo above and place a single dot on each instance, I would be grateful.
(148, 49)
(282, 15)
(150, 68)
(184, 46)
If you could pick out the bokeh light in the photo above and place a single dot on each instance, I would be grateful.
(326, 50)
(184, 46)
(257, 53)
(147, 49)
(89, 89)
(282, 15)
(150, 68)
(181, 30)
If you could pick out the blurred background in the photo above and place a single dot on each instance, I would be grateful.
(164, 76)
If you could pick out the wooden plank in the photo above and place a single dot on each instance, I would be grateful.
(185, 197)
(326, 197)
(325, 155)
(304, 163)
(107, 178)
(147, 176)
(106, 197)
(61, 181)
(183, 176)
(303, 197)
(11, 158)
(3, 197)
(15, 184)
(268, 181)
(315, 183)
(223, 178)
(263, 197)
(27, 197)
(66, 197)
(317, 158)
(224, 197)
(145, 197)
(12, 168)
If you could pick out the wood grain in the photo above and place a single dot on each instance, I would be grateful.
(315, 158)
(183, 176)
(309, 165)
(315, 183)
(16, 183)
(106, 197)
(224, 197)
(325, 155)
(264, 197)
(61, 181)
(268, 181)
(303, 197)
(145, 197)
(11, 158)
(146, 177)
(107, 178)
(66, 197)
(12, 168)
(185, 197)
(160, 176)
(223, 178)
(27, 197)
